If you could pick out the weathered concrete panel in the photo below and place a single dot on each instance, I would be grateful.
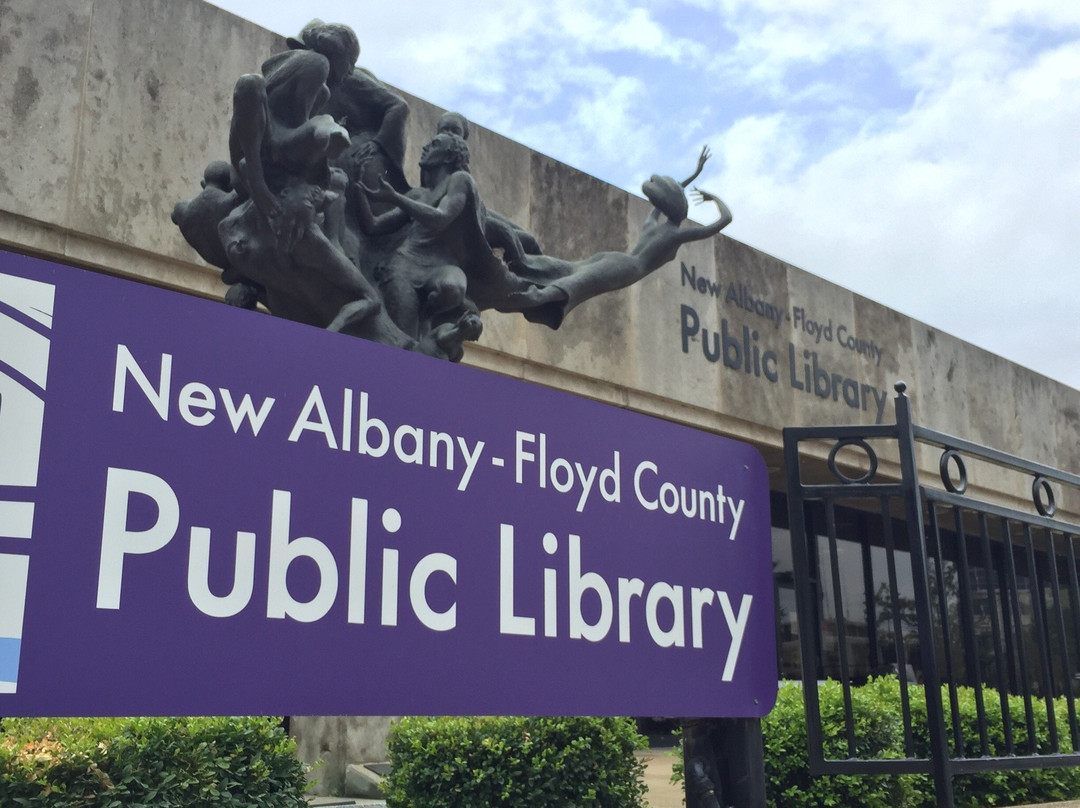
(891, 332)
(42, 58)
(754, 301)
(940, 383)
(576, 216)
(157, 109)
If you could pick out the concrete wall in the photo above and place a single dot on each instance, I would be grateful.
(112, 108)
(336, 741)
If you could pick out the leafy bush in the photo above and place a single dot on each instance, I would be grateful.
(159, 762)
(1018, 787)
(879, 733)
(515, 763)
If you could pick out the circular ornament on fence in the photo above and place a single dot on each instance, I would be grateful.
(870, 454)
(946, 475)
(1040, 487)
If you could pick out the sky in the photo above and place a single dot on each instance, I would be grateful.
(925, 154)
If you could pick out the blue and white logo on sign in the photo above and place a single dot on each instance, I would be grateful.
(26, 309)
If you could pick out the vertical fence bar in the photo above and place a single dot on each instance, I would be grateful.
(898, 625)
(814, 567)
(946, 634)
(1039, 607)
(873, 653)
(972, 672)
(1006, 610)
(940, 764)
(841, 625)
(1074, 602)
(1001, 660)
(1018, 629)
(804, 599)
(1063, 644)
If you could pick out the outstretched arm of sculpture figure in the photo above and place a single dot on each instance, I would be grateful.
(700, 232)
(657, 245)
(702, 159)
(696, 232)
(374, 225)
(435, 217)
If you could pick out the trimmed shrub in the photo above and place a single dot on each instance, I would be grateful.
(469, 762)
(159, 762)
(1011, 787)
(879, 733)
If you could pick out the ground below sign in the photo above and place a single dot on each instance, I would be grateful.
(205, 510)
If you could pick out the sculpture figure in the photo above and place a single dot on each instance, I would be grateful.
(280, 150)
(444, 268)
(501, 233)
(198, 218)
(372, 113)
(312, 218)
(563, 285)
(281, 232)
(278, 139)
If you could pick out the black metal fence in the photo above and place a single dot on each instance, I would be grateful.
(960, 597)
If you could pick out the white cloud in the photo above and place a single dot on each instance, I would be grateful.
(959, 214)
(923, 39)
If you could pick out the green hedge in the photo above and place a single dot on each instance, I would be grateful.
(879, 729)
(880, 733)
(158, 762)
(515, 763)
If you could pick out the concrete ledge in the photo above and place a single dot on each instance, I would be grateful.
(365, 780)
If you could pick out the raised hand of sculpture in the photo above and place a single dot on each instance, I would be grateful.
(703, 158)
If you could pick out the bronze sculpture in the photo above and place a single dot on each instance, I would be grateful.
(312, 216)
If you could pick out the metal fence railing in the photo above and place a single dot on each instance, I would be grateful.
(974, 605)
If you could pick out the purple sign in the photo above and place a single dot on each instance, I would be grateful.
(205, 510)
